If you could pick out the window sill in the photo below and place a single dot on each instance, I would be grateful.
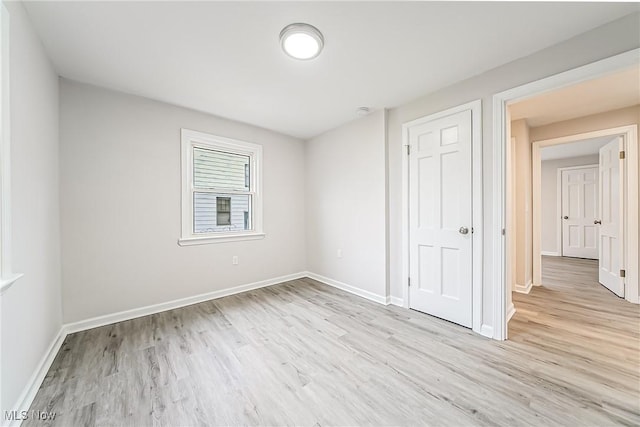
(192, 241)
(7, 282)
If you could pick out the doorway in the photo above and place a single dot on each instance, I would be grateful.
(594, 204)
(502, 120)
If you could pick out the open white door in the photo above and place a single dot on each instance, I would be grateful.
(440, 218)
(580, 210)
(610, 221)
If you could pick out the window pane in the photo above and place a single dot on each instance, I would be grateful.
(217, 169)
(223, 211)
(215, 212)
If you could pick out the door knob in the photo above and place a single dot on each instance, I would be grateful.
(463, 230)
(565, 217)
(597, 221)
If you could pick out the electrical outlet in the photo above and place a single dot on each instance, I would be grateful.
(234, 260)
(339, 253)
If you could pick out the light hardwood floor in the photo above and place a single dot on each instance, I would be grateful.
(303, 353)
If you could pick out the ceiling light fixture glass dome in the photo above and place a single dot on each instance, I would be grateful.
(301, 41)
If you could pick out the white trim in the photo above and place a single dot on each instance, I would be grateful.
(33, 385)
(523, 289)
(486, 331)
(631, 250)
(500, 100)
(190, 139)
(7, 282)
(632, 226)
(536, 209)
(223, 238)
(511, 312)
(549, 253)
(500, 285)
(108, 319)
(7, 276)
(477, 200)
(380, 299)
(404, 217)
(559, 192)
(396, 301)
(478, 225)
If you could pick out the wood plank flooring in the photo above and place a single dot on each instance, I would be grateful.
(303, 353)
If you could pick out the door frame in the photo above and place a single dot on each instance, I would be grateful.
(629, 196)
(559, 241)
(476, 191)
(500, 102)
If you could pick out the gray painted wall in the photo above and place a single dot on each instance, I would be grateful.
(120, 189)
(611, 39)
(32, 308)
(345, 196)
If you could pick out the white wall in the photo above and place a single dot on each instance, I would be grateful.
(345, 196)
(611, 39)
(120, 198)
(548, 200)
(32, 308)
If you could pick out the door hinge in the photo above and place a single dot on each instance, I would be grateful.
(408, 150)
(409, 280)
(623, 273)
(504, 231)
(622, 155)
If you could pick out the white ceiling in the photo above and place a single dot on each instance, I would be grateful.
(575, 149)
(618, 90)
(224, 57)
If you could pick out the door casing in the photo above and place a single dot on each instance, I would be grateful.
(477, 201)
(501, 101)
(630, 135)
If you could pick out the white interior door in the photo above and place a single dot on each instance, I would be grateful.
(579, 211)
(440, 215)
(610, 221)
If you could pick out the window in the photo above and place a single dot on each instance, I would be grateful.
(221, 197)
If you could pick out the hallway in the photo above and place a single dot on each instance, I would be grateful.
(573, 318)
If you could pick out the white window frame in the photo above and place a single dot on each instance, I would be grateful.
(191, 139)
(7, 276)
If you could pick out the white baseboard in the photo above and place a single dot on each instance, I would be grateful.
(108, 319)
(33, 385)
(549, 253)
(486, 331)
(396, 301)
(380, 299)
(510, 312)
(523, 289)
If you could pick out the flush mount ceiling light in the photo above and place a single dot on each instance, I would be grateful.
(301, 41)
